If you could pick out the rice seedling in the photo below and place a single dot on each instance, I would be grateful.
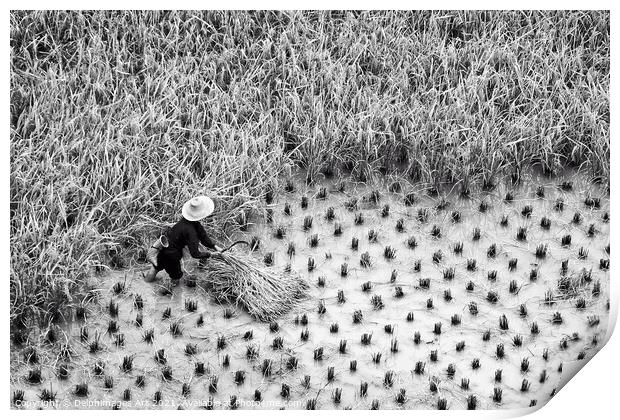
(593, 320)
(475, 234)
(433, 384)
(160, 357)
(305, 334)
(359, 219)
(527, 211)
(304, 202)
(176, 328)
(410, 199)
(47, 395)
(377, 302)
(470, 286)
(341, 297)
(471, 264)
(497, 395)
(372, 236)
(363, 389)
(417, 266)
(337, 395)
(541, 251)
(239, 377)
(410, 317)
(94, 345)
(140, 381)
(577, 218)
(307, 225)
(592, 202)
(31, 355)
(412, 242)
(525, 365)
(389, 252)
(353, 365)
(81, 390)
(285, 391)
(473, 308)
(278, 343)
(457, 249)
(113, 308)
(311, 264)
(583, 253)
(351, 204)
(503, 322)
(280, 232)
(166, 313)
(423, 215)
(525, 385)
(429, 303)
(119, 340)
(221, 342)
(455, 319)
(498, 375)
(436, 232)
(269, 216)
(376, 358)
(517, 340)
(291, 363)
(437, 328)
(504, 221)
(437, 257)
(385, 211)
(62, 371)
(513, 287)
(305, 382)
(603, 264)
(365, 261)
(401, 397)
(213, 382)
(366, 338)
(99, 367)
(472, 402)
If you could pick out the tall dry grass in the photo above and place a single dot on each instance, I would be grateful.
(118, 117)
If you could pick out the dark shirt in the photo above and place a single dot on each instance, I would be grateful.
(185, 233)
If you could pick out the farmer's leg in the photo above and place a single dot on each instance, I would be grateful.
(174, 271)
(151, 274)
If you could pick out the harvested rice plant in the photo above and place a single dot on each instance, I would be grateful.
(422, 200)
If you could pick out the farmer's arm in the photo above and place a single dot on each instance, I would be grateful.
(205, 239)
(192, 244)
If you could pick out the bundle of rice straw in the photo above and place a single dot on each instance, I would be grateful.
(240, 279)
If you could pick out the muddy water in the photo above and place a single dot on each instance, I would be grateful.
(332, 251)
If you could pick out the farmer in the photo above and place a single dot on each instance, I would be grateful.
(186, 232)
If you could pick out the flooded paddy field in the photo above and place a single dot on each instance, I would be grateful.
(419, 299)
